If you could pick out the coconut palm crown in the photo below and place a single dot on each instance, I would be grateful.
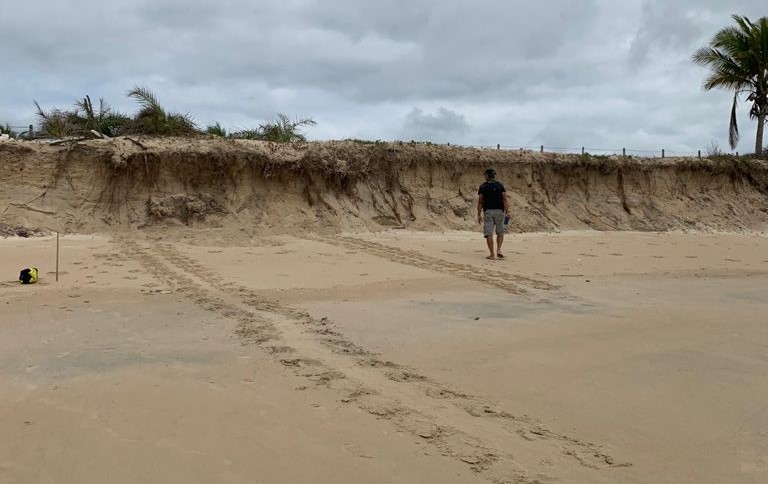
(738, 58)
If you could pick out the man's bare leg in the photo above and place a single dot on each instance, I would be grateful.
(499, 241)
(489, 240)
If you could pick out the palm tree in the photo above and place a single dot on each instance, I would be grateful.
(738, 57)
(283, 130)
(280, 130)
(153, 119)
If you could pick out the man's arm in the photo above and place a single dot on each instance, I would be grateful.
(506, 203)
(480, 209)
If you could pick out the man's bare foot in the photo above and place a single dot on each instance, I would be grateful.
(500, 255)
(490, 257)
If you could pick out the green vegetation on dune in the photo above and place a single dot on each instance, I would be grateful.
(280, 130)
(154, 119)
(6, 129)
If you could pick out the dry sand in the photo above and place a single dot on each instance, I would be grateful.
(198, 357)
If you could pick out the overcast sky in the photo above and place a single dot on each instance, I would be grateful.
(564, 73)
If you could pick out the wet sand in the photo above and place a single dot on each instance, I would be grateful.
(396, 357)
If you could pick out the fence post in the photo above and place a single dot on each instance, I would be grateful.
(699, 154)
(582, 151)
(623, 152)
(31, 131)
(542, 148)
(662, 152)
(57, 256)
(498, 146)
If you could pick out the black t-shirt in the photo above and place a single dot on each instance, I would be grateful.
(493, 195)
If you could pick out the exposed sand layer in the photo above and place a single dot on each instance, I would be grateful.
(265, 188)
(198, 356)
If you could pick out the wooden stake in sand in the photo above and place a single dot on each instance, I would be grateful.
(57, 257)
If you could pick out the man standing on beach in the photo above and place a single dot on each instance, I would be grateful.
(492, 208)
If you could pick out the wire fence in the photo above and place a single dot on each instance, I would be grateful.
(25, 131)
(585, 150)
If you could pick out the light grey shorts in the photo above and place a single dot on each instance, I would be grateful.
(491, 219)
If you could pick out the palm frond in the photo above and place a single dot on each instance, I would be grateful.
(40, 112)
(737, 57)
(733, 129)
(216, 130)
(145, 98)
(283, 130)
(744, 24)
(249, 134)
(153, 119)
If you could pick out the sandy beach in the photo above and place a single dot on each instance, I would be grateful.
(203, 356)
(258, 242)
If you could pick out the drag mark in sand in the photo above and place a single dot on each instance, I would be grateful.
(509, 282)
(498, 445)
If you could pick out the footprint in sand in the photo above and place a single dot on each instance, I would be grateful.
(616, 254)
(691, 257)
(405, 376)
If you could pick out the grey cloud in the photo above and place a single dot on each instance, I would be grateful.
(606, 71)
(664, 25)
(683, 25)
(442, 126)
